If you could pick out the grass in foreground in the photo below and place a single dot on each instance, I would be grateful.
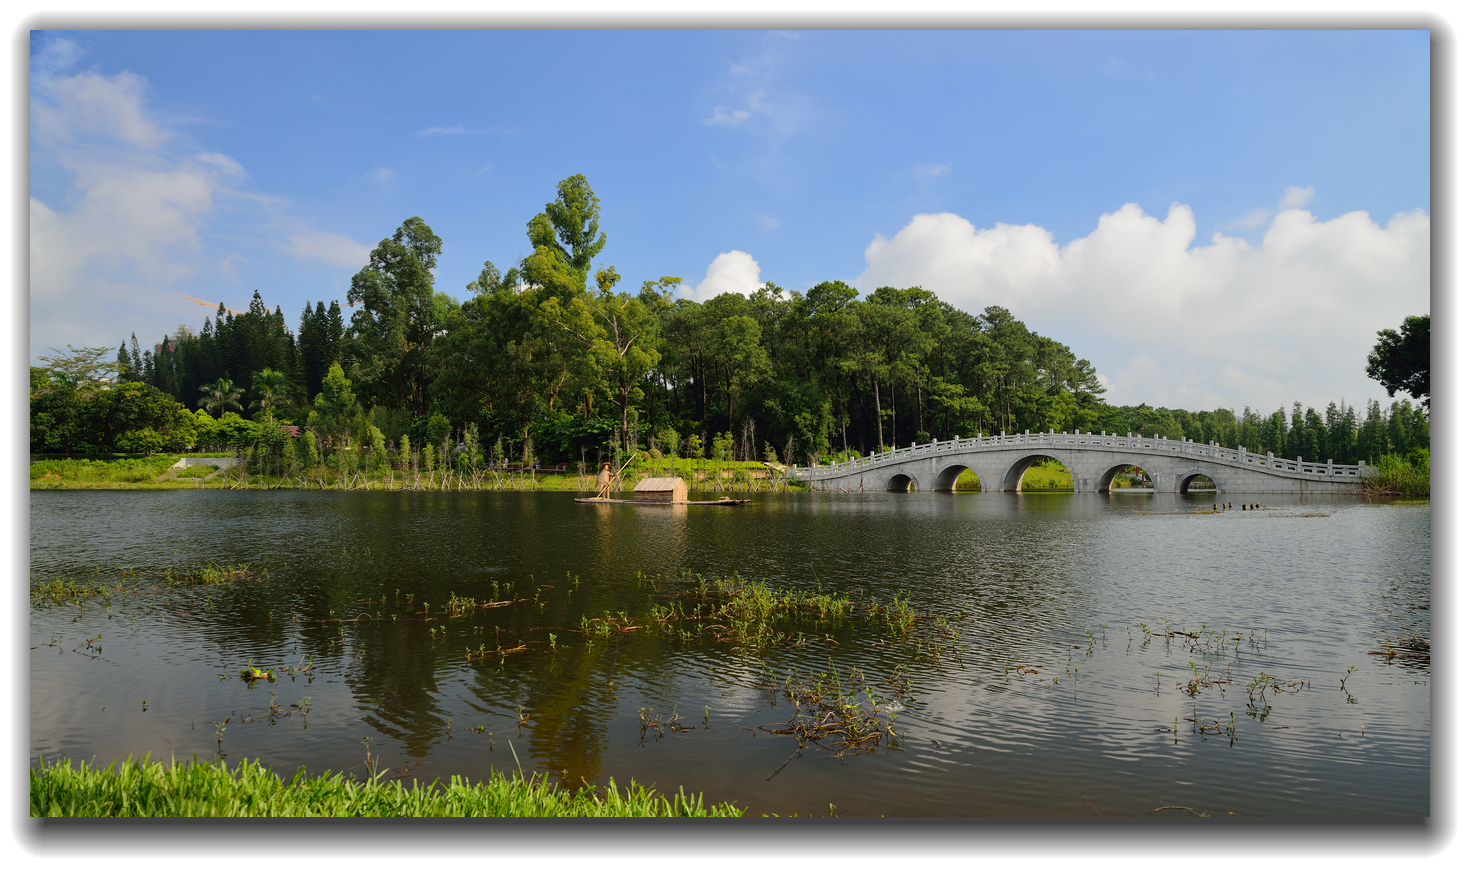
(143, 787)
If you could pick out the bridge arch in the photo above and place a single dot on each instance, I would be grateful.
(901, 483)
(1193, 475)
(1012, 480)
(948, 478)
(1105, 480)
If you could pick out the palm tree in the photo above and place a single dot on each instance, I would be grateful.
(220, 396)
(267, 383)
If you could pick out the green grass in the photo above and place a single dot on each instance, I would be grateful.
(1046, 474)
(143, 787)
(97, 473)
(968, 480)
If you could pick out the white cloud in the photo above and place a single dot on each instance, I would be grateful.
(444, 132)
(117, 245)
(729, 118)
(383, 176)
(930, 171)
(1296, 196)
(734, 271)
(1225, 322)
(333, 249)
(767, 223)
(91, 106)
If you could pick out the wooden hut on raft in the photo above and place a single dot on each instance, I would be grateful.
(661, 490)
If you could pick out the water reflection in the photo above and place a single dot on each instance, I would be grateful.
(1043, 683)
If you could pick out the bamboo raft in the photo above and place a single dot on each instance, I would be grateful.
(655, 491)
(724, 500)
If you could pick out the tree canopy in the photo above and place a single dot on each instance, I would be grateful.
(1400, 360)
(537, 361)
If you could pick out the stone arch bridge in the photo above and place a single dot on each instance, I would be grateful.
(1093, 461)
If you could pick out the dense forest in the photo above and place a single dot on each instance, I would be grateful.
(553, 360)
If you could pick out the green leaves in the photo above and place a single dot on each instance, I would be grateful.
(1400, 360)
(220, 396)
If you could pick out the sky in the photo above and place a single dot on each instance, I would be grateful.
(1212, 218)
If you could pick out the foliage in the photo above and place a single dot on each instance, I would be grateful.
(1400, 360)
(399, 316)
(1406, 475)
(220, 396)
(86, 367)
(144, 787)
(546, 368)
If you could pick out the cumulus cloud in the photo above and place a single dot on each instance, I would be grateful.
(1296, 196)
(1225, 322)
(117, 244)
(734, 271)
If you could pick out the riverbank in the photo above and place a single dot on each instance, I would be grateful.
(144, 787)
(156, 473)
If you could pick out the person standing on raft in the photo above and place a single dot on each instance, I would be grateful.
(604, 480)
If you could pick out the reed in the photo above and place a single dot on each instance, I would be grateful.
(1400, 476)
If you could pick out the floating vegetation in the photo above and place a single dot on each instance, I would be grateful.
(651, 722)
(144, 787)
(60, 591)
(839, 712)
(253, 674)
(1411, 649)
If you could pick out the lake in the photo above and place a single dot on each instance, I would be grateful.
(1071, 655)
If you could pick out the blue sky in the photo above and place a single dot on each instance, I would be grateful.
(215, 163)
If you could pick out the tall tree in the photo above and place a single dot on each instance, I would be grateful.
(566, 238)
(398, 317)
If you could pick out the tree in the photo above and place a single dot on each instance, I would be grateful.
(267, 384)
(220, 396)
(1400, 360)
(87, 367)
(399, 316)
(336, 404)
(627, 352)
(566, 239)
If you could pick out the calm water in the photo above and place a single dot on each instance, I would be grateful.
(1312, 589)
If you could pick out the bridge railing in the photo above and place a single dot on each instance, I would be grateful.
(1076, 440)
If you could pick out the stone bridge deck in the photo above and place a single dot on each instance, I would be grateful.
(1092, 460)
